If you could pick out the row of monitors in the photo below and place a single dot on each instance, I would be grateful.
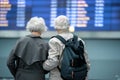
(84, 15)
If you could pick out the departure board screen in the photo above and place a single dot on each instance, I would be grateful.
(84, 15)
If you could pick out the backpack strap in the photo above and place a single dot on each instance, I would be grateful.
(75, 38)
(61, 39)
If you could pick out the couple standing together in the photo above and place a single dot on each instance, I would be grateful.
(32, 58)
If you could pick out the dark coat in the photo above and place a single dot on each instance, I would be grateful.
(26, 58)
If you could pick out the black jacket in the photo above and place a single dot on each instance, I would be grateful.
(26, 58)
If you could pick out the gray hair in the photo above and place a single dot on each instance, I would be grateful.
(61, 22)
(36, 24)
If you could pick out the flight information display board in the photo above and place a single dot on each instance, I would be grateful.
(84, 15)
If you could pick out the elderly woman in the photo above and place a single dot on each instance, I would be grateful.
(26, 58)
(56, 47)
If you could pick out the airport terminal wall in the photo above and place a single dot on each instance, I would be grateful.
(103, 52)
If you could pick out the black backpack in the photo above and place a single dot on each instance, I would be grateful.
(73, 64)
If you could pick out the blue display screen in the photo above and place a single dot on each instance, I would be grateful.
(84, 15)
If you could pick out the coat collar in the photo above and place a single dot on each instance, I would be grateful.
(33, 36)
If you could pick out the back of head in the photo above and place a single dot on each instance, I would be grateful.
(61, 22)
(36, 24)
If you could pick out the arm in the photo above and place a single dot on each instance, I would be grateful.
(11, 63)
(53, 55)
(86, 55)
(87, 60)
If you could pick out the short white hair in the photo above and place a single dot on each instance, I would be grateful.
(61, 22)
(36, 24)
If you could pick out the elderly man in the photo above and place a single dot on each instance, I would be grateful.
(56, 47)
(26, 58)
